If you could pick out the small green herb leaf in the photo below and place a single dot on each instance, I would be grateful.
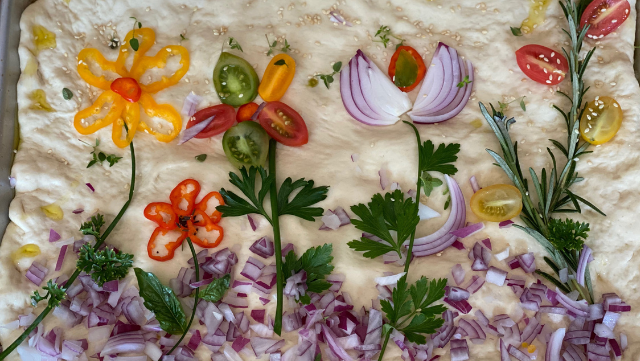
(67, 94)
(522, 105)
(135, 45)
(216, 289)
(337, 66)
(286, 47)
(54, 294)
(464, 82)
(161, 300)
(516, 31)
(429, 183)
(234, 44)
(201, 158)
(440, 159)
(384, 33)
(182, 38)
(93, 226)
(280, 62)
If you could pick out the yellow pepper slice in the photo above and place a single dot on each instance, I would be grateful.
(117, 106)
(53, 211)
(160, 61)
(27, 251)
(277, 77)
(39, 98)
(85, 58)
(146, 38)
(164, 111)
(43, 38)
(130, 115)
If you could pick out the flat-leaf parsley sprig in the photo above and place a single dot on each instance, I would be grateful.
(283, 201)
(316, 262)
(56, 292)
(562, 239)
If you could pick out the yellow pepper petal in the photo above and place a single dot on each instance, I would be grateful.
(39, 98)
(53, 211)
(160, 61)
(116, 108)
(130, 115)
(88, 56)
(277, 77)
(146, 38)
(27, 251)
(163, 111)
(43, 38)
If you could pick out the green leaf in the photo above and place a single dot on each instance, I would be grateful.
(135, 45)
(216, 289)
(337, 66)
(238, 206)
(301, 204)
(234, 44)
(161, 300)
(419, 325)
(93, 226)
(516, 31)
(201, 158)
(428, 183)
(104, 265)
(280, 62)
(371, 248)
(54, 294)
(440, 159)
(567, 234)
(102, 157)
(426, 292)
(464, 82)
(522, 105)
(316, 262)
(67, 94)
(402, 303)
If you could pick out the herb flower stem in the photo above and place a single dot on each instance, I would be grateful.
(273, 196)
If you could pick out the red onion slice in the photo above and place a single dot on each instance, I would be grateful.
(505, 224)
(582, 265)
(338, 19)
(555, 345)
(63, 252)
(469, 230)
(474, 184)
(190, 104)
(36, 273)
(458, 274)
(263, 247)
(53, 236)
(189, 133)
(90, 187)
(496, 276)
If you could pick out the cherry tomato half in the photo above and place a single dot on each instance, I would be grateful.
(225, 117)
(541, 64)
(235, 80)
(246, 111)
(604, 17)
(497, 203)
(277, 77)
(407, 68)
(284, 124)
(127, 88)
(601, 120)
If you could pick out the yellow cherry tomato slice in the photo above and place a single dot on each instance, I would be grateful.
(601, 120)
(277, 77)
(497, 203)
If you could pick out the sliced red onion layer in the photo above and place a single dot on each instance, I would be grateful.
(474, 184)
(585, 254)
(502, 255)
(389, 280)
(77, 211)
(442, 238)
(368, 95)
(459, 350)
(190, 104)
(468, 230)
(53, 236)
(458, 245)
(505, 224)
(36, 273)
(440, 98)
(458, 274)
(456, 293)
(527, 262)
(63, 252)
(189, 133)
(475, 283)
(252, 223)
(580, 309)
(335, 17)
(334, 219)
(555, 345)
(496, 276)
(12, 182)
(263, 247)
(90, 187)
(426, 213)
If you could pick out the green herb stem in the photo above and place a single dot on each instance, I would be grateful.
(418, 184)
(275, 222)
(384, 345)
(6, 352)
(196, 298)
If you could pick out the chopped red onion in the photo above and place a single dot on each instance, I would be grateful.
(474, 184)
(390, 280)
(36, 273)
(554, 310)
(12, 182)
(235, 301)
(456, 293)
(521, 356)
(384, 177)
(496, 276)
(239, 343)
(124, 342)
(615, 347)
(468, 230)
(463, 306)
(258, 315)
(263, 247)
(189, 133)
(153, 351)
(475, 283)
(426, 213)
(623, 341)
(90, 187)
(596, 312)
(585, 254)
(577, 308)
(288, 248)
(77, 211)
(335, 17)
(505, 224)
(252, 269)
(190, 104)
(603, 330)
(555, 345)
(527, 262)
(355, 157)
(53, 235)
(458, 245)
(502, 255)
(63, 252)
(458, 274)
(459, 350)
(252, 223)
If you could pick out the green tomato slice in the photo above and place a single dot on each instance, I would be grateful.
(406, 69)
(235, 80)
(246, 144)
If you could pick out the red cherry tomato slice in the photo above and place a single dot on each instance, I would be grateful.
(183, 197)
(246, 111)
(421, 68)
(284, 124)
(604, 17)
(127, 88)
(161, 213)
(162, 238)
(541, 64)
(225, 117)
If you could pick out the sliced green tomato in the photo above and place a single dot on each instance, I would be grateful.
(406, 69)
(235, 80)
(246, 144)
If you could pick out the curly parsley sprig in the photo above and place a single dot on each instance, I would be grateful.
(562, 239)
(56, 293)
(104, 265)
(282, 203)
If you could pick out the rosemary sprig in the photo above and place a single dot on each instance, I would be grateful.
(99, 241)
(553, 188)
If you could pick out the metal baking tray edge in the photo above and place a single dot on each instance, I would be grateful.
(10, 13)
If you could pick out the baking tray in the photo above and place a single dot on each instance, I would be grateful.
(10, 12)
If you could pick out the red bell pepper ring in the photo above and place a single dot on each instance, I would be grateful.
(184, 196)
(158, 211)
(209, 239)
(214, 215)
(156, 254)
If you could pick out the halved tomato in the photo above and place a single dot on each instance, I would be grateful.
(284, 124)
(225, 117)
(406, 68)
(541, 64)
(604, 17)
(127, 88)
(496, 203)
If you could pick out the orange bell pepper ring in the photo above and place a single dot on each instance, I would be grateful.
(117, 106)
(183, 197)
(146, 38)
(164, 111)
(277, 77)
(156, 252)
(213, 214)
(162, 214)
(88, 56)
(160, 61)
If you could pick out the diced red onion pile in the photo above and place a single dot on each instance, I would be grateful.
(334, 219)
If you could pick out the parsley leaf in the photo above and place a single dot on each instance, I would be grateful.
(216, 289)
(391, 212)
(429, 183)
(327, 79)
(161, 300)
(415, 303)
(237, 206)
(440, 159)
(104, 265)
(567, 234)
(316, 262)
(93, 226)
(300, 204)
(54, 294)
(516, 31)
(233, 43)
(464, 82)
